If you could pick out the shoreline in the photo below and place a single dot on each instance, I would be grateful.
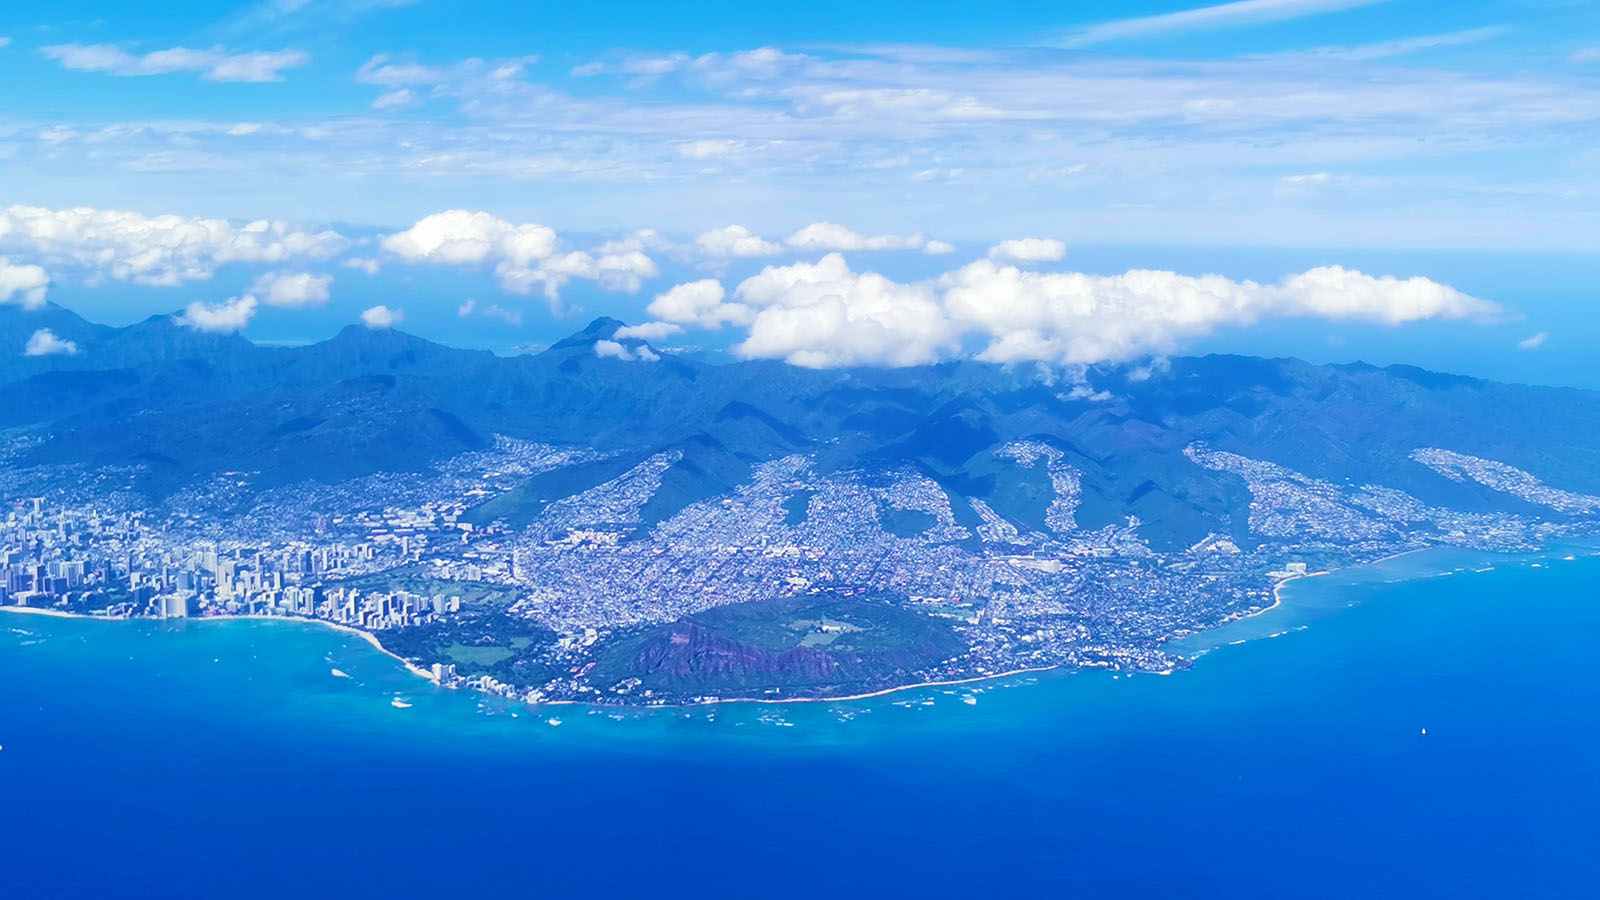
(367, 636)
(420, 672)
(1280, 584)
(60, 614)
(373, 641)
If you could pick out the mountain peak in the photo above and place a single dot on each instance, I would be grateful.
(600, 329)
(603, 327)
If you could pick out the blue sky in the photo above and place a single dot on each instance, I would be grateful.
(1254, 140)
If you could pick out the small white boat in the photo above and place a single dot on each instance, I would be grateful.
(339, 673)
(553, 722)
(397, 703)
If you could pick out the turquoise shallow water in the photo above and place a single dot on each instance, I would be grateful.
(226, 759)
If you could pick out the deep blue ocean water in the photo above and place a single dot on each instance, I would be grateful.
(225, 759)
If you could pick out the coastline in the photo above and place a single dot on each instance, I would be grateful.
(59, 614)
(367, 636)
(1280, 584)
(373, 641)
(420, 672)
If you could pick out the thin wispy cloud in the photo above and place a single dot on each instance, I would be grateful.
(1226, 15)
(1399, 47)
(278, 17)
(214, 64)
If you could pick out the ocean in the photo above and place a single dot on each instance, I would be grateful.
(1418, 728)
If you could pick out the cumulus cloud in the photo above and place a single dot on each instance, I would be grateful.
(822, 315)
(292, 288)
(649, 331)
(1334, 292)
(26, 284)
(157, 250)
(1534, 342)
(1025, 250)
(524, 256)
(215, 64)
(362, 264)
(1074, 318)
(222, 318)
(736, 240)
(617, 350)
(380, 317)
(701, 303)
(831, 236)
(458, 236)
(45, 343)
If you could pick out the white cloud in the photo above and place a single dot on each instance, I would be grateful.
(699, 303)
(5, 41)
(1334, 292)
(380, 317)
(458, 236)
(1028, 250)
(159, 250)
(617, 350)
(1074, 318)
(1534, 342)
(830, 236)
(736, 240)
(28, 283)
(292, 288)
(825, 315)
(1224, 15)
(45, 343)
(524, 256)
(711, 149)
(365, 264)
(649, 331)
(228, 316)
(216, 64)
(381, 71)
(822, 315)
(1586, 55)
(404, 98)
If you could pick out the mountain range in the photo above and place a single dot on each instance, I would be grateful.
(184, 405)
